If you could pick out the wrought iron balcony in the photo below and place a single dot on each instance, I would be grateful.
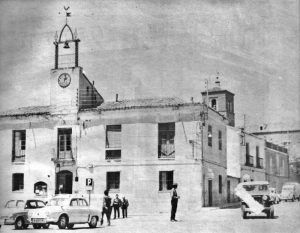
(166, 151)
(19, 156)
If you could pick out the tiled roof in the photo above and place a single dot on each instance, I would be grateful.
(142, 103)
(25, 111)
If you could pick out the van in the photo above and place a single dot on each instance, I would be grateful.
(290, 191)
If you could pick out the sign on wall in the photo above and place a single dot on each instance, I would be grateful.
(89, 184)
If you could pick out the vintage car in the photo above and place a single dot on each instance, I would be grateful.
(65, 211)
(20, 218)
(18, 208)
(290, 191)
(10, 207)
(255, 198)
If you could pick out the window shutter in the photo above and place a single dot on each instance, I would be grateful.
(13, 146)
(160, 181)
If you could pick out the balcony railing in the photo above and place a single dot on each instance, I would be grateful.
(166, 151)
(249, 160)
(65, 155)
(259, 162)
(19, 156)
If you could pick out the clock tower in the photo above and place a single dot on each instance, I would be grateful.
(70, 89)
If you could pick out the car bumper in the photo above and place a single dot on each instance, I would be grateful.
(7, 221)
(43, 220)
(264, 210)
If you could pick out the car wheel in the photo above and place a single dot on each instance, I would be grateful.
(46, 226)
(19, 224)
(272, 213)
(36, 226)
(93, 222)
(70, 226)
(62, 222)
(244, 213)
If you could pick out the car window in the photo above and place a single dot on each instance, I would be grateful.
(82, 202)
(262, 187)
(10, 204)
(249, 187)
(30, 204)
(57, 202)
(40, 204)
(20, 204)
(74, 202)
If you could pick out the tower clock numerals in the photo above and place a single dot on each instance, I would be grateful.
(64, 80)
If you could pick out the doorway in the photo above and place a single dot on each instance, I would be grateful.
(64, 182)
(228, 191)
(210, 198)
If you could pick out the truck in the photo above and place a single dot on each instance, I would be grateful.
(290, 191)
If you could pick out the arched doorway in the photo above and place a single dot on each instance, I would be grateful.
(64, 182)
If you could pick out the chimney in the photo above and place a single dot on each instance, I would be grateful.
(117, 95)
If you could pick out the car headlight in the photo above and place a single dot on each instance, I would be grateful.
(265, 197)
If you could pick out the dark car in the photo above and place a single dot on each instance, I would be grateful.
(20, 218)
(255, 198)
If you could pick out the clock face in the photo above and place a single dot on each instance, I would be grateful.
(64, 80)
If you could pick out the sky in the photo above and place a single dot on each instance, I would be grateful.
(161, 48)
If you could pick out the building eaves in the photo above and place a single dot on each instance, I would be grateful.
(26, 111)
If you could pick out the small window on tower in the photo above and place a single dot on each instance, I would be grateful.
(213, 104)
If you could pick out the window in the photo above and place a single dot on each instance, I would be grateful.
(18, 182)
(166, 135)
(220, 184)
(249, 158)
(209, 135)
(40, 188)
(220, 140)
(113, 142)
(213, 104)
(65, 143)
(112, 180)
(165, 180)
(258, 159)
(19, 145)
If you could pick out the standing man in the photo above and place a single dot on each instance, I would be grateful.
(174, 202)
(117, 204)
(106, 207)
(125, 205)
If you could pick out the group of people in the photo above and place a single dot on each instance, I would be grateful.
(116, 204)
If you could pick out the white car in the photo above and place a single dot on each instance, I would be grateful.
(65, 211)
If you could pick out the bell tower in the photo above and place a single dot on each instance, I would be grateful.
(221, 101)
(70, 89)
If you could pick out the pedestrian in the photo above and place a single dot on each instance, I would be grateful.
(106, 207)
(117, 203)
(125, 205)
(174, 202)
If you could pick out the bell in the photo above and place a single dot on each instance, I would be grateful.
(66, 46)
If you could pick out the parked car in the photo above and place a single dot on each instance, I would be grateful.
(290, 191)
(275, 195)
(65, 211)
(255, 198)
(20, 218)
(10, 207)
(15, 212)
